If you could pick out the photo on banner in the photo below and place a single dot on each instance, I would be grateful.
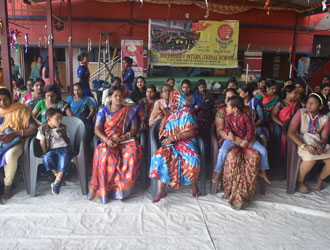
(133, 48)
(211, 44)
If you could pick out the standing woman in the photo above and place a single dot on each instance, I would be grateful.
(139, 91)
(15, 122)
(35, 72)
(176, 162)
(269, 97)
(128, 73)
(52, 100)
(45, 74)
(83, 107)
(83, 74)
(118, 157)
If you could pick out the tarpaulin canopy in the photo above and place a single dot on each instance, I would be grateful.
(234, 7)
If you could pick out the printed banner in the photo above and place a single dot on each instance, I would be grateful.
(133, 48)
(211, 44)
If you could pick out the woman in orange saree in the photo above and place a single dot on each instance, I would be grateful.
(118, 158)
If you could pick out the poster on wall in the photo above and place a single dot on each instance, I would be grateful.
(186, 43)
(133, 48)
(303, 66)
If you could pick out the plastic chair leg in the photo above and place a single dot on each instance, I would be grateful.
(33, 179)
(143, 174)
(262, 186)
(202, 176)
(80, 164)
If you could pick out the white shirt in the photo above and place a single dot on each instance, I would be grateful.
(56, 141)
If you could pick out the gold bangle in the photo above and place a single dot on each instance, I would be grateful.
(302, 146)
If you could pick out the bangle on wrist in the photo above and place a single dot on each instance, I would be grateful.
(302, 146)
(129, 135)
(22, 133)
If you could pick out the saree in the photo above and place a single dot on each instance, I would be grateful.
(81, 110)
(240, 176)
(16, 117)
(285, 115)
(268, 102)
(42, 107)
(147, 107)
(179, 163)
(257, 106)
(32, 102)
(115, 170)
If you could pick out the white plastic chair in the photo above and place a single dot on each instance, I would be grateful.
(77, 133)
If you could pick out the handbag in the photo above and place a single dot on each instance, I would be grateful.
(5, 146)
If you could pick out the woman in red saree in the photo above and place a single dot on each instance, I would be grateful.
(118, 158)
(281, 115)
(269, 97)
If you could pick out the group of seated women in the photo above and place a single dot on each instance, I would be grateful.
(246, 118)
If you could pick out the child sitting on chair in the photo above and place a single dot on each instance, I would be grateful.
(55, 145)
(240, 131)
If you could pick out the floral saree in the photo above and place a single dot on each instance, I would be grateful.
(179, 163)
(240, 176)
(115, 170)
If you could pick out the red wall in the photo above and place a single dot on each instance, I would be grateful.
(280, 36)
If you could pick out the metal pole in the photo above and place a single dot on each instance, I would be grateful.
(50, 41)
(294, 43)
(70, 47)
(247, 66)
(5, 50)
(131, 19)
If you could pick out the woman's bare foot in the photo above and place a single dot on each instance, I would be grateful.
(319, 184)
(195, 190)
(264, 176)
(160, 195)
(7, 192)
(302, 188)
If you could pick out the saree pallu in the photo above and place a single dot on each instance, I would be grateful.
(268, 102)
(240, 176)
(285, 115)
(31, 103)
(115, 170)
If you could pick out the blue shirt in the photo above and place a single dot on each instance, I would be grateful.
(128, 77)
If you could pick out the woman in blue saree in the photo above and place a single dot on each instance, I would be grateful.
(177, 161)
(83, 107)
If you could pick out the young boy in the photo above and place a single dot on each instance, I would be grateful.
(240, 131)
(55, 145)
